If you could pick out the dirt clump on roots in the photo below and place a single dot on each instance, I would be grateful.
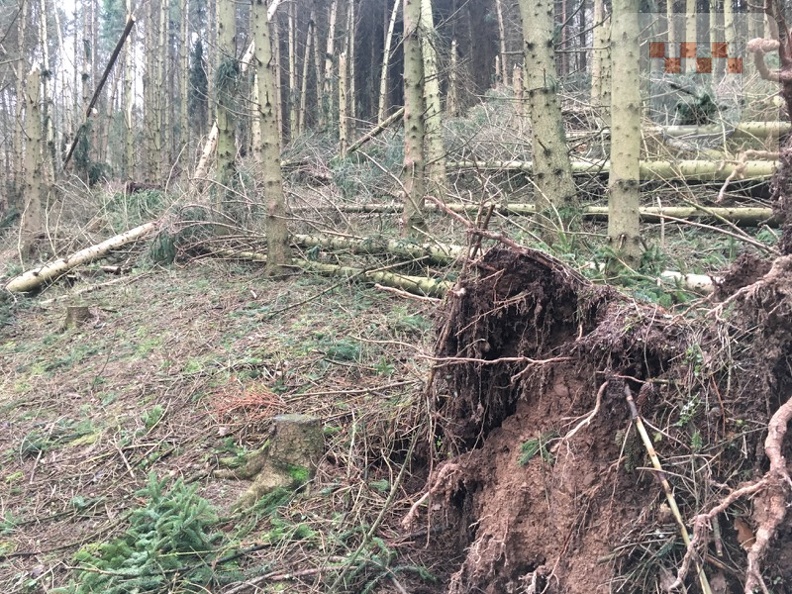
(745, 270)
(546, 486)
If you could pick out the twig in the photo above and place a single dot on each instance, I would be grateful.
(647, 441)
(376, 524)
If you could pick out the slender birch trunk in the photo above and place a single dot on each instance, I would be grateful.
(326, 103)
(382, 111)
(164, 128)
(317, 75)
(624, 234)
(414, 222)
(435, 153)
(33, 215)
(452, 99)
(150, 96)
(48, 157)
(269, 148)
(184, 81)
(19, 124)
(688, 53)
(293, 90)
(276, 57)
(350, 51)
(503, 62)
(343, 123)
(225, 87)
(309, 37)
(600, 64)
(129, 101)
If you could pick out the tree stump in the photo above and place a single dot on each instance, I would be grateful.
(287, 460)
(76, 316)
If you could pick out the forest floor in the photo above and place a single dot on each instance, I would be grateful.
(483, 443)
(180, 370)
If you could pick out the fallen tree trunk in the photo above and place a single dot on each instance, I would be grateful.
(690, 170)
(749, 216)
(33, 279)
(742, 130)
(419, 285)
(448, 253)
(435, 252)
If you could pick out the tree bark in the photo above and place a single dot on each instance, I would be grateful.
(326, 100)
(413, 168)
(435, 153)
(184, 78)
(741, 216)
(129, 102)
(600, 64)
(33, 215)
(309, 37)
(504, 63)
(624, 233)
(689, 170)
(452, 98)
(33, 279)
(555, 189)
(383, 88)
(342, 105)
(293, 88)
(226, 79)
(269, 150)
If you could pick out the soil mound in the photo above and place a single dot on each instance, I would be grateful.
(547, 486)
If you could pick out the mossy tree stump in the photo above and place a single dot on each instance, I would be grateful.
(287, 460)
(76, 316)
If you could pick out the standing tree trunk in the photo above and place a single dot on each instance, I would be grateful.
(689, 47)
(269, 149)
(383, 90)
(129, 101)
(21, 68)
(413, 173)
(293, 90)
(151, 98)
(33, 215)
(225, 87)
(435, 153)
(184, 81)
(555, 189)
(504, 63)
(309, 36)
(49, 154)
(624, 232)
(350, 51)
(600, 64)
(452, 99)
(165, 102)
(326, 100)
(343, 122)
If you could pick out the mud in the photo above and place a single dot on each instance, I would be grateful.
(546, 487)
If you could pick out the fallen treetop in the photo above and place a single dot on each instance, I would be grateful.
(34, 278)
